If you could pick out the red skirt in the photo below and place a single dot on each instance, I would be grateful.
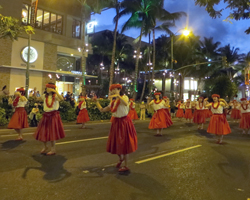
(180, 113)
(218, 125)
(160, 120)
(235, 114)
(50, 128)
(199, 117)
(83, 116)
(245, 121)
(19, 120)
(208, 113)
(167, 111)
(133, 114)
(188, 114)
(122, 136)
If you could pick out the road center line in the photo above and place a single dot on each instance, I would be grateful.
(167, 154)
(13, 134)
(84, 140)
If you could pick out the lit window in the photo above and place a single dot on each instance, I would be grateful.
(193, 85)
(186, 84)
(185, 96)
(76, 29)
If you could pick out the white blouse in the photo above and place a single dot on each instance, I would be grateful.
(197, 106)
(122, 110)
(244, 111)
(188, 107)
(219, 110)
(21, 104)
(55, 105)
(84, 105)
(159, 105)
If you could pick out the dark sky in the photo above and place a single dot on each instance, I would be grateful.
(198, 21)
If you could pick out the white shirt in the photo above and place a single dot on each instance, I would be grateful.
(122, 110)
(188, 107)
(83, 106)
(219, 110)
(244, 111)
(55, 105)
(21, 104)
(159, 105)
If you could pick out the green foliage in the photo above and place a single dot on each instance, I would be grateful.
(221, 85)
(3, 120)
(94, 113)
(67, 113)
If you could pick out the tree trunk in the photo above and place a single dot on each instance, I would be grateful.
(144, 86)
(137, 66)
(153, 66)
(83, 52)
(181, 86)
(114, 49)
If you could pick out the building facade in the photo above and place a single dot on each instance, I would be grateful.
(55, 47)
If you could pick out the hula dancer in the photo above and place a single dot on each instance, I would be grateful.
(160, 118)
(245, 118)
(122, 136)
(132, 112)
(83, 115)
(180, 111)
(188, 111)
(50, 128)
(236, 113)
(199, 113)
(218, 124)
(166, 99)
(19, 120)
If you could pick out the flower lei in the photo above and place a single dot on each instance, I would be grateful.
(158, 102)
(200, 106)
(216, 106)
(188, 104)
(114, 108)
(80, 105)
(52, 102)
(15, 102)
(243, 107)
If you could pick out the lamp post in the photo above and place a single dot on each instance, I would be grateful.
(186, 32)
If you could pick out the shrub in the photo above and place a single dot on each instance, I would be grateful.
(3, 120)
(67, 113)
(94, 113)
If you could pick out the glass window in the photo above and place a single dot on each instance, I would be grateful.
(59, 24)
(44, 20)
(76, 29)
(53, 22)
(25, 14)
(193, 85)
(185, 96)
(186, 84)
(39, 18)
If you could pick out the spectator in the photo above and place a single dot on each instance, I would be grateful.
(68, 97)
(62, 95)
(38, 94)
(31, 93)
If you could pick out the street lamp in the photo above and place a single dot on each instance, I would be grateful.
(186, 32)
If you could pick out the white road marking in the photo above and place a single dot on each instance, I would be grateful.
(167, 154)
(14, 135)
(84, 140)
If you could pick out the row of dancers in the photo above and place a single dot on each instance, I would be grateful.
(122, 138)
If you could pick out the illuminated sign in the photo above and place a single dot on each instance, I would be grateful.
(91, 27)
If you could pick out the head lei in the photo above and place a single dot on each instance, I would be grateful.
(165, 97)
(157, 93)
(216, 95)
(51, 85)
(113, 86)
(243, 99)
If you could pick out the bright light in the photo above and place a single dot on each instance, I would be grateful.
(24, 14)
(50, 76)
(79, 49)
(72, 54)
(186, 32)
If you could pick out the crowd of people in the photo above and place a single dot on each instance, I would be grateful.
(122, 138)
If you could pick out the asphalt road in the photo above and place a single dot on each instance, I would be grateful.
(183, 164)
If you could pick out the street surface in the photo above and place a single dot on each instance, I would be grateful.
(183, 164)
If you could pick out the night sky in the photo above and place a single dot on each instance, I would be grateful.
(198, 21)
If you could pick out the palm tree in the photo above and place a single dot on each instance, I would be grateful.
(142, 12)
(116, 5)
(87, 7)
